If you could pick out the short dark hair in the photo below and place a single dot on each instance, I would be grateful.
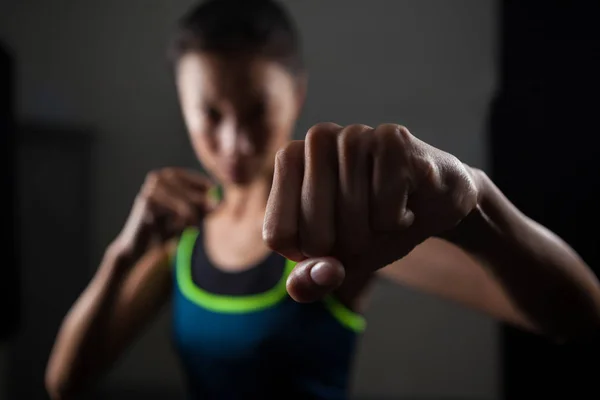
(254, 27)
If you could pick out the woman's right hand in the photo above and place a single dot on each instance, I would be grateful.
(170, 200)
(120, 300)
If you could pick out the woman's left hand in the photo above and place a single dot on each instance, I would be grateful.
(347, 201)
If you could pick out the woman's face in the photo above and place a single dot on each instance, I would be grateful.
(238, 111)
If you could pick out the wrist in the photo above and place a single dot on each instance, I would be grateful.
(481, 182)
(472, 232)
(116, 259)
(476, 229)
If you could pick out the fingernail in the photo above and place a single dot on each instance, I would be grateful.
(319, 274)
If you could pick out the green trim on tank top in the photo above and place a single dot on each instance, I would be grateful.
(248, 303)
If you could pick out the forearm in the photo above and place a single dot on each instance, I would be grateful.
(81, 339)
(545, 278)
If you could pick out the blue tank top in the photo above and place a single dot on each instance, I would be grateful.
(261, 345)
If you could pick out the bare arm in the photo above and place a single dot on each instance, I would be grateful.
(439, 268)
(119, 301)
(511, 267)
(132, 283)
(351, 200)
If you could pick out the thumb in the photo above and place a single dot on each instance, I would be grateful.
(314, 278)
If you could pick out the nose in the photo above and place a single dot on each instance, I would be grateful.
(234, 140)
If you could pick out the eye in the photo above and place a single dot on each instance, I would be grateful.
(213, 114)
(257, 111)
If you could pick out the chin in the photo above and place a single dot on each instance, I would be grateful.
(239, 178)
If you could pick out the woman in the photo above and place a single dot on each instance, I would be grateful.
(344, 203)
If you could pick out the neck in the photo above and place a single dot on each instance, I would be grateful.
(248, 200)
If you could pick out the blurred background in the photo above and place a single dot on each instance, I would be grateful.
(88, 107)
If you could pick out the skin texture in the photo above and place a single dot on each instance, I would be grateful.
(364, 196)
(349, 201)
(346, 202)
(238, 112)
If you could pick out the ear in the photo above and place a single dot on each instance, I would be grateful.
(301, 89)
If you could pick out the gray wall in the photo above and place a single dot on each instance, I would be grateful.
(428, 64)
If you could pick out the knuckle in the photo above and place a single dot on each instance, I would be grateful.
(403, 133)
(321, 146)
(350, 136)
(278, 238)
(355, 129)
(168, 172)
(387, 130)
(429, 171)
(282, 157)
(467, 195)
(353, 147)
(145, 197)
(394, 147)
(270, 239)
(144, 202)
(392, 133)
(322, 131)
(152, 177)
(291, 152)
(288, 159)
(149, 186)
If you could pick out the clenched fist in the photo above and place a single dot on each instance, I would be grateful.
(170, 200)
(347, 201)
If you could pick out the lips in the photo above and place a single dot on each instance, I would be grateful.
(237, 165)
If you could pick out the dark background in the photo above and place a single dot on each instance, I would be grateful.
(544, 129)
(9, 283)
